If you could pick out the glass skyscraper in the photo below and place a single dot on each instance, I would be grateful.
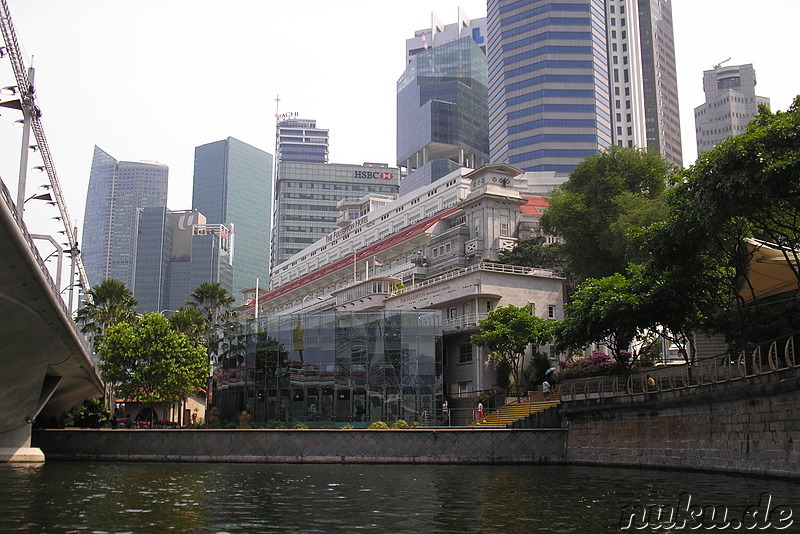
(442, 114)
(301, 140)
(117, 191)
(232, 186)
(178, 251)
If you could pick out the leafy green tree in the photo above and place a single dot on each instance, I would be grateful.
(111, 303)
(606, 196)
(755, 176)
(507, 332)
(605, 310)
(535, 252)
(151, 362)
(91, 414)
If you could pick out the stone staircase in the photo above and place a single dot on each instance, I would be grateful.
(507, 415)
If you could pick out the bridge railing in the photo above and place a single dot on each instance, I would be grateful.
(6, 196)
(763, 359)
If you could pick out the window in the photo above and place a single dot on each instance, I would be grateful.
(451, 313)
(551, 311)
(465, 354)
(464, 388)
(504, 225)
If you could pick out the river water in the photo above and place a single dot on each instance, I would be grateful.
(254, 498)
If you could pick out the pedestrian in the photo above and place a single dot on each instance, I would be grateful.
(546, 389)
(128, 422)
(481, 415)
(445, 413)
(651, 384)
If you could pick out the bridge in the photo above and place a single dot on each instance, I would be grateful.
(46, 362)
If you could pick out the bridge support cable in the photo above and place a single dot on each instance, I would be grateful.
(32, 113)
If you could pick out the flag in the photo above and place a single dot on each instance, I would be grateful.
(424, 41)
(377, 262)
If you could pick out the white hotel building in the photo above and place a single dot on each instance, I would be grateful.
(432, 249)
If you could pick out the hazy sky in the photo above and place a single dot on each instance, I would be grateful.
(150, 80)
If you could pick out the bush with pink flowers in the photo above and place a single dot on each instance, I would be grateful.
(598, 364)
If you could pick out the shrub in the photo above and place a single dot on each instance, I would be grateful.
(277, 424)
(400, 424)
(91, 414)
(327, 426)
(378, 425)
(300, 426)
(598, 364)
(347, 426)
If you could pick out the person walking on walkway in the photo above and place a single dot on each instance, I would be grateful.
(481, 415)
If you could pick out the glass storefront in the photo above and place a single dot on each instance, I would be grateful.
(331, 369)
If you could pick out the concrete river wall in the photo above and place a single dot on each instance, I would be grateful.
(307, 446)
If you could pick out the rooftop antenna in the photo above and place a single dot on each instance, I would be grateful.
(718, 65)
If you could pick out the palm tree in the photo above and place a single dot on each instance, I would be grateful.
(211, 298)
(111, 303)
(215, 301)
(190, 321)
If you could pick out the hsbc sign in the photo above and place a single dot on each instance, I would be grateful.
(374, 175)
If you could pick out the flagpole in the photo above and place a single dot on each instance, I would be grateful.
(256, 298)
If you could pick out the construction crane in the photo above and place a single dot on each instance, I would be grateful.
(718, 65)
(32, 114)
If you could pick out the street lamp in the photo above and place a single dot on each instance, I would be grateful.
(303, 302)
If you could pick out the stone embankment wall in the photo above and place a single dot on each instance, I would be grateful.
(421, 446)
(746, 426)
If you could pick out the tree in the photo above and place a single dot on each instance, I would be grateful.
(534, 252)
(605, 310)
(755, 176)
(213, 299)
(111, 303)
(190, 321)
(606, 196)
(507, 332)
(150, 362)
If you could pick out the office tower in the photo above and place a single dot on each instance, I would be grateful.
(569, 79)
(659, 77)
(442, 113)
(178, 251)
(731, 103)
(549, 90)
(232, 186)
(300, 140)
(117, 191)
(307, 196)
(625, 73)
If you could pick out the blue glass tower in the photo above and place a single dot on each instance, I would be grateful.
(442, 115)
(232, 186)
(549, 96)
(117, 191)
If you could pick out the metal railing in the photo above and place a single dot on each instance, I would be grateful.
(483, 266)
(763, 359)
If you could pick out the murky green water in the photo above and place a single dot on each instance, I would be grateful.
(253, 498)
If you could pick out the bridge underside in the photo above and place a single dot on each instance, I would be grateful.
(44, 367)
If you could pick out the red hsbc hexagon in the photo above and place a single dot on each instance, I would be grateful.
(387, 175)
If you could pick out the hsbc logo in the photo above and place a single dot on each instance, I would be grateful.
(374, 175)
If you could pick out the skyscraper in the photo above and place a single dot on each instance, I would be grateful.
(569, 79)
(442, 113)
(178, 251)
(307, 196)
(731, 103)
(232, 186)
(117, 191)
(301, 140)
(549, 89)
(659, 76)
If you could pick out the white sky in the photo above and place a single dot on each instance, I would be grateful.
(152, 79)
